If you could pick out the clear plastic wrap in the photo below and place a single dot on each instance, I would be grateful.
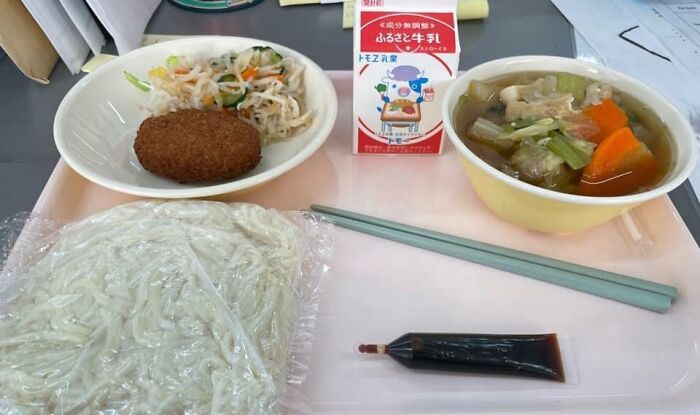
(185, 307)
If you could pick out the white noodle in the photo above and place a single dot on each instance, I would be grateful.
(179, 307)
(274, 107)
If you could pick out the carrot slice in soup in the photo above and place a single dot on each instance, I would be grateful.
(609, 118)
(620, 165)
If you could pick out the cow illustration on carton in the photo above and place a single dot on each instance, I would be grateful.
(404, 82)
(401, 92)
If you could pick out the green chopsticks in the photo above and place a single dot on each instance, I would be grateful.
(633, 291)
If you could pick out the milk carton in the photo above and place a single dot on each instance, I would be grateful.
(405, 54)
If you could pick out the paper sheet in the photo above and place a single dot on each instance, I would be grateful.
(102, 58)
(297, 2)
(61, 31)
(466, 9)
(125, 20)
(677, 24)
(348, 14)
(84, 22)
(25, 43)
(621, 40)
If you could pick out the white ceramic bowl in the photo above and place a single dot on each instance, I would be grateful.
(97, 120)
(546, 210)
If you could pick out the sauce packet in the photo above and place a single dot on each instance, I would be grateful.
(405, 54)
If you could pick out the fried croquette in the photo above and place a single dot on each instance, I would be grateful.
(197, 146)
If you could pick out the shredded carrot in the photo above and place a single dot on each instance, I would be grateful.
(182, 70)
(249, 73)
(609, 118)
(620, 165)
(280, 77)
(208, 100)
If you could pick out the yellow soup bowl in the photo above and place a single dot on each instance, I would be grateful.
(545, 210)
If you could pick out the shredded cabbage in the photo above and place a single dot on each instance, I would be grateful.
(490, 133)
(542, 126)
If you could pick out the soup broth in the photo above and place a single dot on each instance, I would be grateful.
(565, 133)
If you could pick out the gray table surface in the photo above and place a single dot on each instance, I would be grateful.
(28, 154)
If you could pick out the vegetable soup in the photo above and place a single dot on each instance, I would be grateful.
(565, 133)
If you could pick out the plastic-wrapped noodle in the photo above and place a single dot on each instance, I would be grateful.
(179, 307)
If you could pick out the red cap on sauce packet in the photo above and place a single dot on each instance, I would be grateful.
(405, 54)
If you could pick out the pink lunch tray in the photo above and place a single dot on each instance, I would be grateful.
(621, 360)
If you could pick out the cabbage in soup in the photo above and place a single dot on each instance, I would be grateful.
(564, 132)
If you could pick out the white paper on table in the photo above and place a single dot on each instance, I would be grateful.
(605, 25)
(685, 15)
(61, 31)
(85, 23)
(125, 20)
(676, 24)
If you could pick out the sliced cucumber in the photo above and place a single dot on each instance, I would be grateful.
(229, 77)
(273, 56)
(231, 100)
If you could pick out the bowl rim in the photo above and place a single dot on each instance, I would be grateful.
(686, 131)
(326, 126)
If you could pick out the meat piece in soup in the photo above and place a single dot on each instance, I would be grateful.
(565, 133)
